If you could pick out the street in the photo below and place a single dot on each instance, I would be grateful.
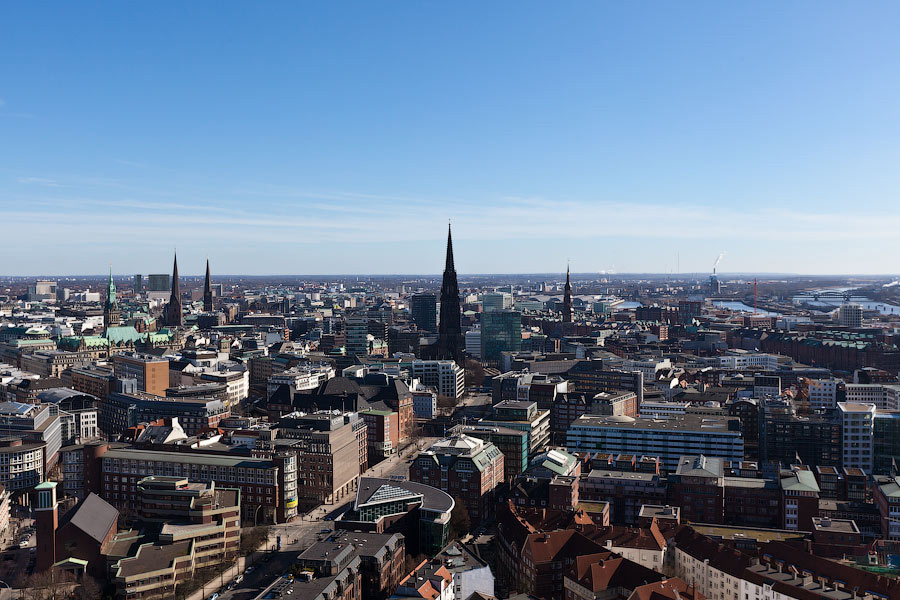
(300, 534)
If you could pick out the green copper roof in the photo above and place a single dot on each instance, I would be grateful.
(123, 335)
(73, 342)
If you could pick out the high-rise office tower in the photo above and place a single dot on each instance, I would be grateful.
(207, 291)
(567, 299)
(850, 315)
(501, 331)
(173, 310)
(423, 308)
(138, 284)
(158, 282)
(496, 301)
(450, 338)
(357, 331)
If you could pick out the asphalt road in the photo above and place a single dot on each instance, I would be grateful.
(300, 534)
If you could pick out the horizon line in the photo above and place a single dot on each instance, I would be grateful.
(693, 274)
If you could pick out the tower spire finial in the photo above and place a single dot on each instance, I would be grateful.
(207, 290)
(448, 264)
(173, 311)
(450, 338)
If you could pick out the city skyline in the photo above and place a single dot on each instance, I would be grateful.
(315, 139)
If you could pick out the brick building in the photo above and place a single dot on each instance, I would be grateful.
(467, 468)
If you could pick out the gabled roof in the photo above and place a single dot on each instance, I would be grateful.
(669, 589)
(604, 570)
(700, 466)
(123, 335)
(799, 480)
(546, 547)
(94, 516)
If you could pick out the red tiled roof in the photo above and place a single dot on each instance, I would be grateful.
(604, 570)
(669, 589)
(547, 547)
(627, 537)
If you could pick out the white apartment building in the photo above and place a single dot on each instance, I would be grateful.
(884, 397)
(850, 315)
(473, 343)
(669, 439)
(823, 393)
(714, 583)
(650, 408)
(857, 435)
(424, 403)
(445, 376)
(649, 368)
(301, 377)
(639, 551)
(237, 384)
(748, 360)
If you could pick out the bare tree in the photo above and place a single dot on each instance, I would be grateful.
(89, 589)
(474, 373)
(446, 402)
(252, 538)
(460, 521)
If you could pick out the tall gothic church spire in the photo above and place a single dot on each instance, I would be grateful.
(111, 317)
(450, 339)
(567, 299)
(207, 291)
(173, 310)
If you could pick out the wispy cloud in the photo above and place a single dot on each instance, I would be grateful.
(272, 218)
(522, 218)
(38, 181)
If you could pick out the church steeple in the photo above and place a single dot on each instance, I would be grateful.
(111, 317)
(448, 264)
(173, 310)
(207, 291)
(450, 339)
(567, 299)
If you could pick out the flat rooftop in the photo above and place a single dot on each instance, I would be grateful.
(836, 525)
(659, 511)
(151, 557)
(748, 533)
(621, 475)
(686, 423)
(188, 458)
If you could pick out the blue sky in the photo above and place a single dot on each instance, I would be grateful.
(339, 137)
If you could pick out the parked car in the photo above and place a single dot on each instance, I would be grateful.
(215, 596)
